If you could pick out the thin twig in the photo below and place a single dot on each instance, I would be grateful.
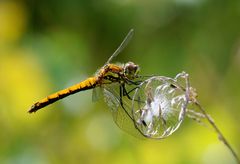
(191, 96)
(220, 135)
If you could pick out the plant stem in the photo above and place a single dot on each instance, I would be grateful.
(220, 135)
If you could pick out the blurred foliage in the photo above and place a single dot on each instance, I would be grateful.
(50, 44)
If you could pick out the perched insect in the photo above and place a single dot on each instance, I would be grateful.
(112, 79)
(109, 73)
(144, 106)
(133, 105)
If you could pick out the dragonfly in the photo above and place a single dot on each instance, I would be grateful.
(144, 106)
(116, 82)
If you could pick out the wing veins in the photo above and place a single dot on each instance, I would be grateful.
(121, 46)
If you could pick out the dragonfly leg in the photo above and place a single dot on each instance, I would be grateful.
(126, 93)
(133, 82)
(121, 103)
(122, 82)
(123, 90)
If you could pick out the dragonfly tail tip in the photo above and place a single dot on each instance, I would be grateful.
(33, 109)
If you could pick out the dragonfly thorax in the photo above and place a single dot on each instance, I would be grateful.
(131, 70)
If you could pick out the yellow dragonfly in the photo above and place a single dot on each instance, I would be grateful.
(117, 82)
(144, 106)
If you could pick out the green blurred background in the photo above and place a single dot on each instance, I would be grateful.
(48, 45)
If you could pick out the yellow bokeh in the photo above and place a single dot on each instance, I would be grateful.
(21, 81)
(46, 45)
(13, 21)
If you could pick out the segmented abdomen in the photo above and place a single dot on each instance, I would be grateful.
(84, 85)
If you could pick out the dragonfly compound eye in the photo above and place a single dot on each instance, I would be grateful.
(131, 70)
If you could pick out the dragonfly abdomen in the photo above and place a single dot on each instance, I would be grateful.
(84, 85)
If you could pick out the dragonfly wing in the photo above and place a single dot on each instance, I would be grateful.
(122, 45)
(122, 117)
(97, 94)
(112, 101)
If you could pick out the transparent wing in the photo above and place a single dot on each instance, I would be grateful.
(122, 114)
(97, 94)
(122, 45)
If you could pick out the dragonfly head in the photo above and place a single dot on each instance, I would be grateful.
(131, 70)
